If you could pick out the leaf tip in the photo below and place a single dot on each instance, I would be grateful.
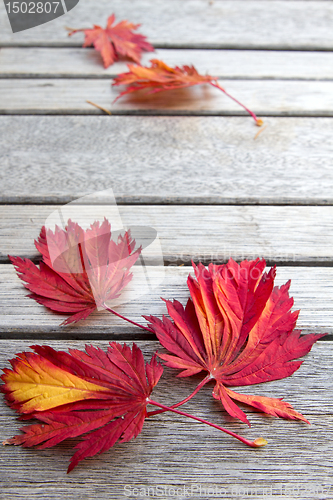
(70, 467)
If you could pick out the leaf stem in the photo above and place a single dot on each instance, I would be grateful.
(258, 121)
(127, 319)
(257, 443)
(202, 383)
(99, 107)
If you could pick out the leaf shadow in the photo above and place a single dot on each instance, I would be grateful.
(189, 98)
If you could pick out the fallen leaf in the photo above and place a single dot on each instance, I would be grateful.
(89, 270)
(159, 77)
(115, 41)
(240, 329)
(102, 395)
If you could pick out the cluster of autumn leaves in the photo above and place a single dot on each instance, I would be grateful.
(236, 327)
(120, 40)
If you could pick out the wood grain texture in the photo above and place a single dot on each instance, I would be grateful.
(196, 23)
(38, 62)
(22, 317)
(263, 97)
(181, 160)
(283, 234)
(176, 452)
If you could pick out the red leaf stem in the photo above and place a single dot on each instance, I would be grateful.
(196, 390)
(127, 319)
(257, 443)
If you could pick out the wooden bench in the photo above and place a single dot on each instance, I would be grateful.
(193, 167)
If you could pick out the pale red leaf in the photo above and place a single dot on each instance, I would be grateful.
(116, 40)
(87, 268)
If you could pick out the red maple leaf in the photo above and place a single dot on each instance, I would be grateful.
(117, 40)
(101, 395)
(86, 270)
(240, 329)
(160, 77)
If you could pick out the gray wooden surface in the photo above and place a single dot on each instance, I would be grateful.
(148, 159)
(213, 188)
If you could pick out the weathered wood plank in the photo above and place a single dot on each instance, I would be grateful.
(69, 96)
(196, 23)
(37, 62)
(176, 452)
(21, 317)
(56, 159)
(283, 234)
